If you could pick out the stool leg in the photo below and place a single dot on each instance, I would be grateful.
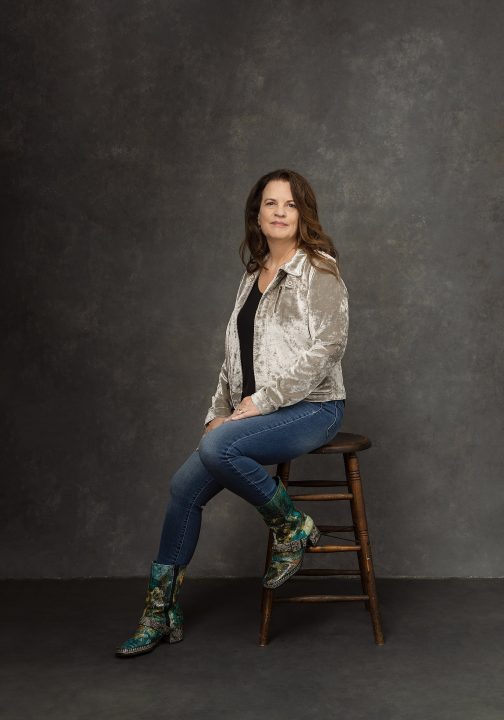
(267, 599)
(360, 558)
(365, 559)
(362, 571)
(282, 470)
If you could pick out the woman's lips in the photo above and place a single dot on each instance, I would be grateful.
(279, 223)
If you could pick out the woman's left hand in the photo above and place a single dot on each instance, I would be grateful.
(244, 410)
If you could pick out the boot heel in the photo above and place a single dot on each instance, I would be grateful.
(174, 635)
(314, 536)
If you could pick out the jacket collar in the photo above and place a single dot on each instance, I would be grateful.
(291, 267)
(294, 265)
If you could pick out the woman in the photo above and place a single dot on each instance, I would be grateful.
(280, 394)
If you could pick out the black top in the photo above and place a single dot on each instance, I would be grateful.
(245, 321)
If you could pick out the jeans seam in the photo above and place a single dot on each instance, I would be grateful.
(281, 424)
(186, 521)
(331, 427)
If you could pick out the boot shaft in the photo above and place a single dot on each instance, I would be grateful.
(280, 514)
(164, 586)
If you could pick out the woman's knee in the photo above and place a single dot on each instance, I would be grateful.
(212, 448)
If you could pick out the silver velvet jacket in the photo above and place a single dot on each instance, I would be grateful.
(300, 336)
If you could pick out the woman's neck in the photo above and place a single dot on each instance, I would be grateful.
(278, 255)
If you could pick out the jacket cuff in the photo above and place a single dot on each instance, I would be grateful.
(212, 414)
(262, 403)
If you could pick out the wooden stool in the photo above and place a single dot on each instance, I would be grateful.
(348, 445)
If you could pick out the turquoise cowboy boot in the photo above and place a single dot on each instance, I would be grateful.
(292, 530)
(162, 619)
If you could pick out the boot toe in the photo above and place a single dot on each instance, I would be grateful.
(142, 641)
(136, 647)
(281, 569)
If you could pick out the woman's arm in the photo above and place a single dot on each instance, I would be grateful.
(327, 300)
(221, 401)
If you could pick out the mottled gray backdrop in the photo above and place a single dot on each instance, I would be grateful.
(133, 133)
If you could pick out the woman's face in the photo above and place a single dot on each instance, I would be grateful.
(278, 215)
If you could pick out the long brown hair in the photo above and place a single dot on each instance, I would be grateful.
(311, 237)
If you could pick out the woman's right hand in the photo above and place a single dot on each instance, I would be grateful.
(214, 424)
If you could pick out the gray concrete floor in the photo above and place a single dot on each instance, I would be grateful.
(443, 656)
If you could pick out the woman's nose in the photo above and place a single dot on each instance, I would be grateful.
(280, 212)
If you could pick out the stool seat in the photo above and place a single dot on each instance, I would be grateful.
(344, 443)
(348, 445)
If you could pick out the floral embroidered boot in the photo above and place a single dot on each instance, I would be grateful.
(292, 530)
(162, 619)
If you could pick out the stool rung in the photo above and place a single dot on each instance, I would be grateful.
(327, 572)
(318, 483)
(323, 496)
(336, 528)
(332, 548)
(320, 598)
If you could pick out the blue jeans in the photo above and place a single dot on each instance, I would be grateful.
(232, 456)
